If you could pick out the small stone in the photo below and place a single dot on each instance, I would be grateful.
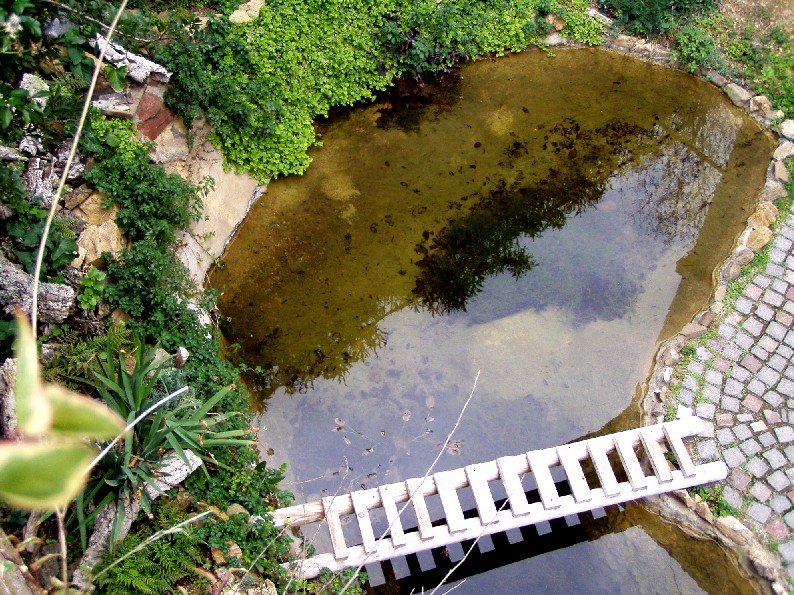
(779, 481)
(739, 479)
(780, 504)
(757, 467)
(750, 447)
(777, 530)
(787, 129)
(784, 151)
(753, 403)
(760, 492)
(772, 417)
(785, 433)
(724, 419)
(775, 458)
(734, 457)
(787, 549)
(738, 95)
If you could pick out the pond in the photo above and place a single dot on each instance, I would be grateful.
(533, 225)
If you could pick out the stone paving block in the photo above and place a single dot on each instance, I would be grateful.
(744, 418)
(772, 417)
(743, 341)
(756, 467)
(779, 480)
(758, 426)
(773, 298)
(789, 339)
(753, 326)
(759, 512)
(686, 396)
(696, 367)
(712, 393)
(691, 383)
(743, 431)
(776, 330)
(760, 491)
(767, 439)
(726, 331)
(722, 364)
(789, 450)
(730, 404)
(780, 504)
(775, 458)
(777, 362)
(779, 285)
(759, 352)
(773, 398)
(768, 376)
(788, 306)
(777, 530)
(739, 479)
(786, 387)
(784, 318)
(785, 433)
(708, 429)
(744, 305)
(731, 352)
(705, 410)
(714, 377)
(751, 363)
(703, 353)
(724, 419)
(785, 351)
(753, 403)
(707, 449)
(764, 312)
(750, 447)
(757, 387)
(725, 436)
(789, 520)
(777, 255)
(733, 497)
(774, 270)
(755, 289)
(768, 343)
(733, 387)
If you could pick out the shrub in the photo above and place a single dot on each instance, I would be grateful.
(653, 17)
(696, 48)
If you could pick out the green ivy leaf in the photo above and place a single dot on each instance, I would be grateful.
(117, 77)
(42, 476)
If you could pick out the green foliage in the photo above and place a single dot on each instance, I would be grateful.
(578, 24)
(712, 495)
(92, 287)
(153, 203)
(158, 568)
(696, 48)
(653, 17)
(76, 355)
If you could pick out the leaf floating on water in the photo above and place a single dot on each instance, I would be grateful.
(372, 476)
(270, 452)
(383, 432)
(339, 421)
(454, 447)
(368, 451)
(347, 440)
(430, 401)
(429, 418)
(406, 415)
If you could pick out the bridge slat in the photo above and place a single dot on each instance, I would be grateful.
(478, 482)
(335, 527)
(539, 462)
(387, 496)
(415, 490)
(598, 448)
(681, 453)
(656, 455)
(573, 469)
(362, 502)
(510, 470)
(625, 447)
(447, 491)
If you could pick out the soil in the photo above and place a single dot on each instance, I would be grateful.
(762, 15)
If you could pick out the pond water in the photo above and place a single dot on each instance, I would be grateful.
(531, 225)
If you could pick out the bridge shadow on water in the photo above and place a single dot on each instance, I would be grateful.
(422, 572)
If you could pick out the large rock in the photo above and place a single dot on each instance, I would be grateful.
(92, 211)
(152, 117)
(171, 144)
(55, 301)
(247, 11)
(783, 151)
(759, 238)
(138, 68)
(787, 129)
(737, 94)
(96, 239)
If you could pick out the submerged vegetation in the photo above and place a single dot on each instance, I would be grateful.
(260, 85)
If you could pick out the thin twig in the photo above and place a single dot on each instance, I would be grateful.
(419, 487)
(75, 141)
(62, 544)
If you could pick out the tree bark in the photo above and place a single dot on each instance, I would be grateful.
(56, 301)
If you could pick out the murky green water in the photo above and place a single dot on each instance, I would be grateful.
(542, 222)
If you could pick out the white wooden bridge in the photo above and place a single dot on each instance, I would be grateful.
(628, 465)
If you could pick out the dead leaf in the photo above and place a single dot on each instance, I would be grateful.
(406, 415)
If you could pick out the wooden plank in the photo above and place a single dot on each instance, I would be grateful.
(656, 454)
(573, 469)
(631, 464)
(510, 470)
(334, 521)
(539, 462)
(362, 502)
(482, 493)
(415, 492)
(447, 491)
(392, 514)
(598, 448)
(681, 453)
